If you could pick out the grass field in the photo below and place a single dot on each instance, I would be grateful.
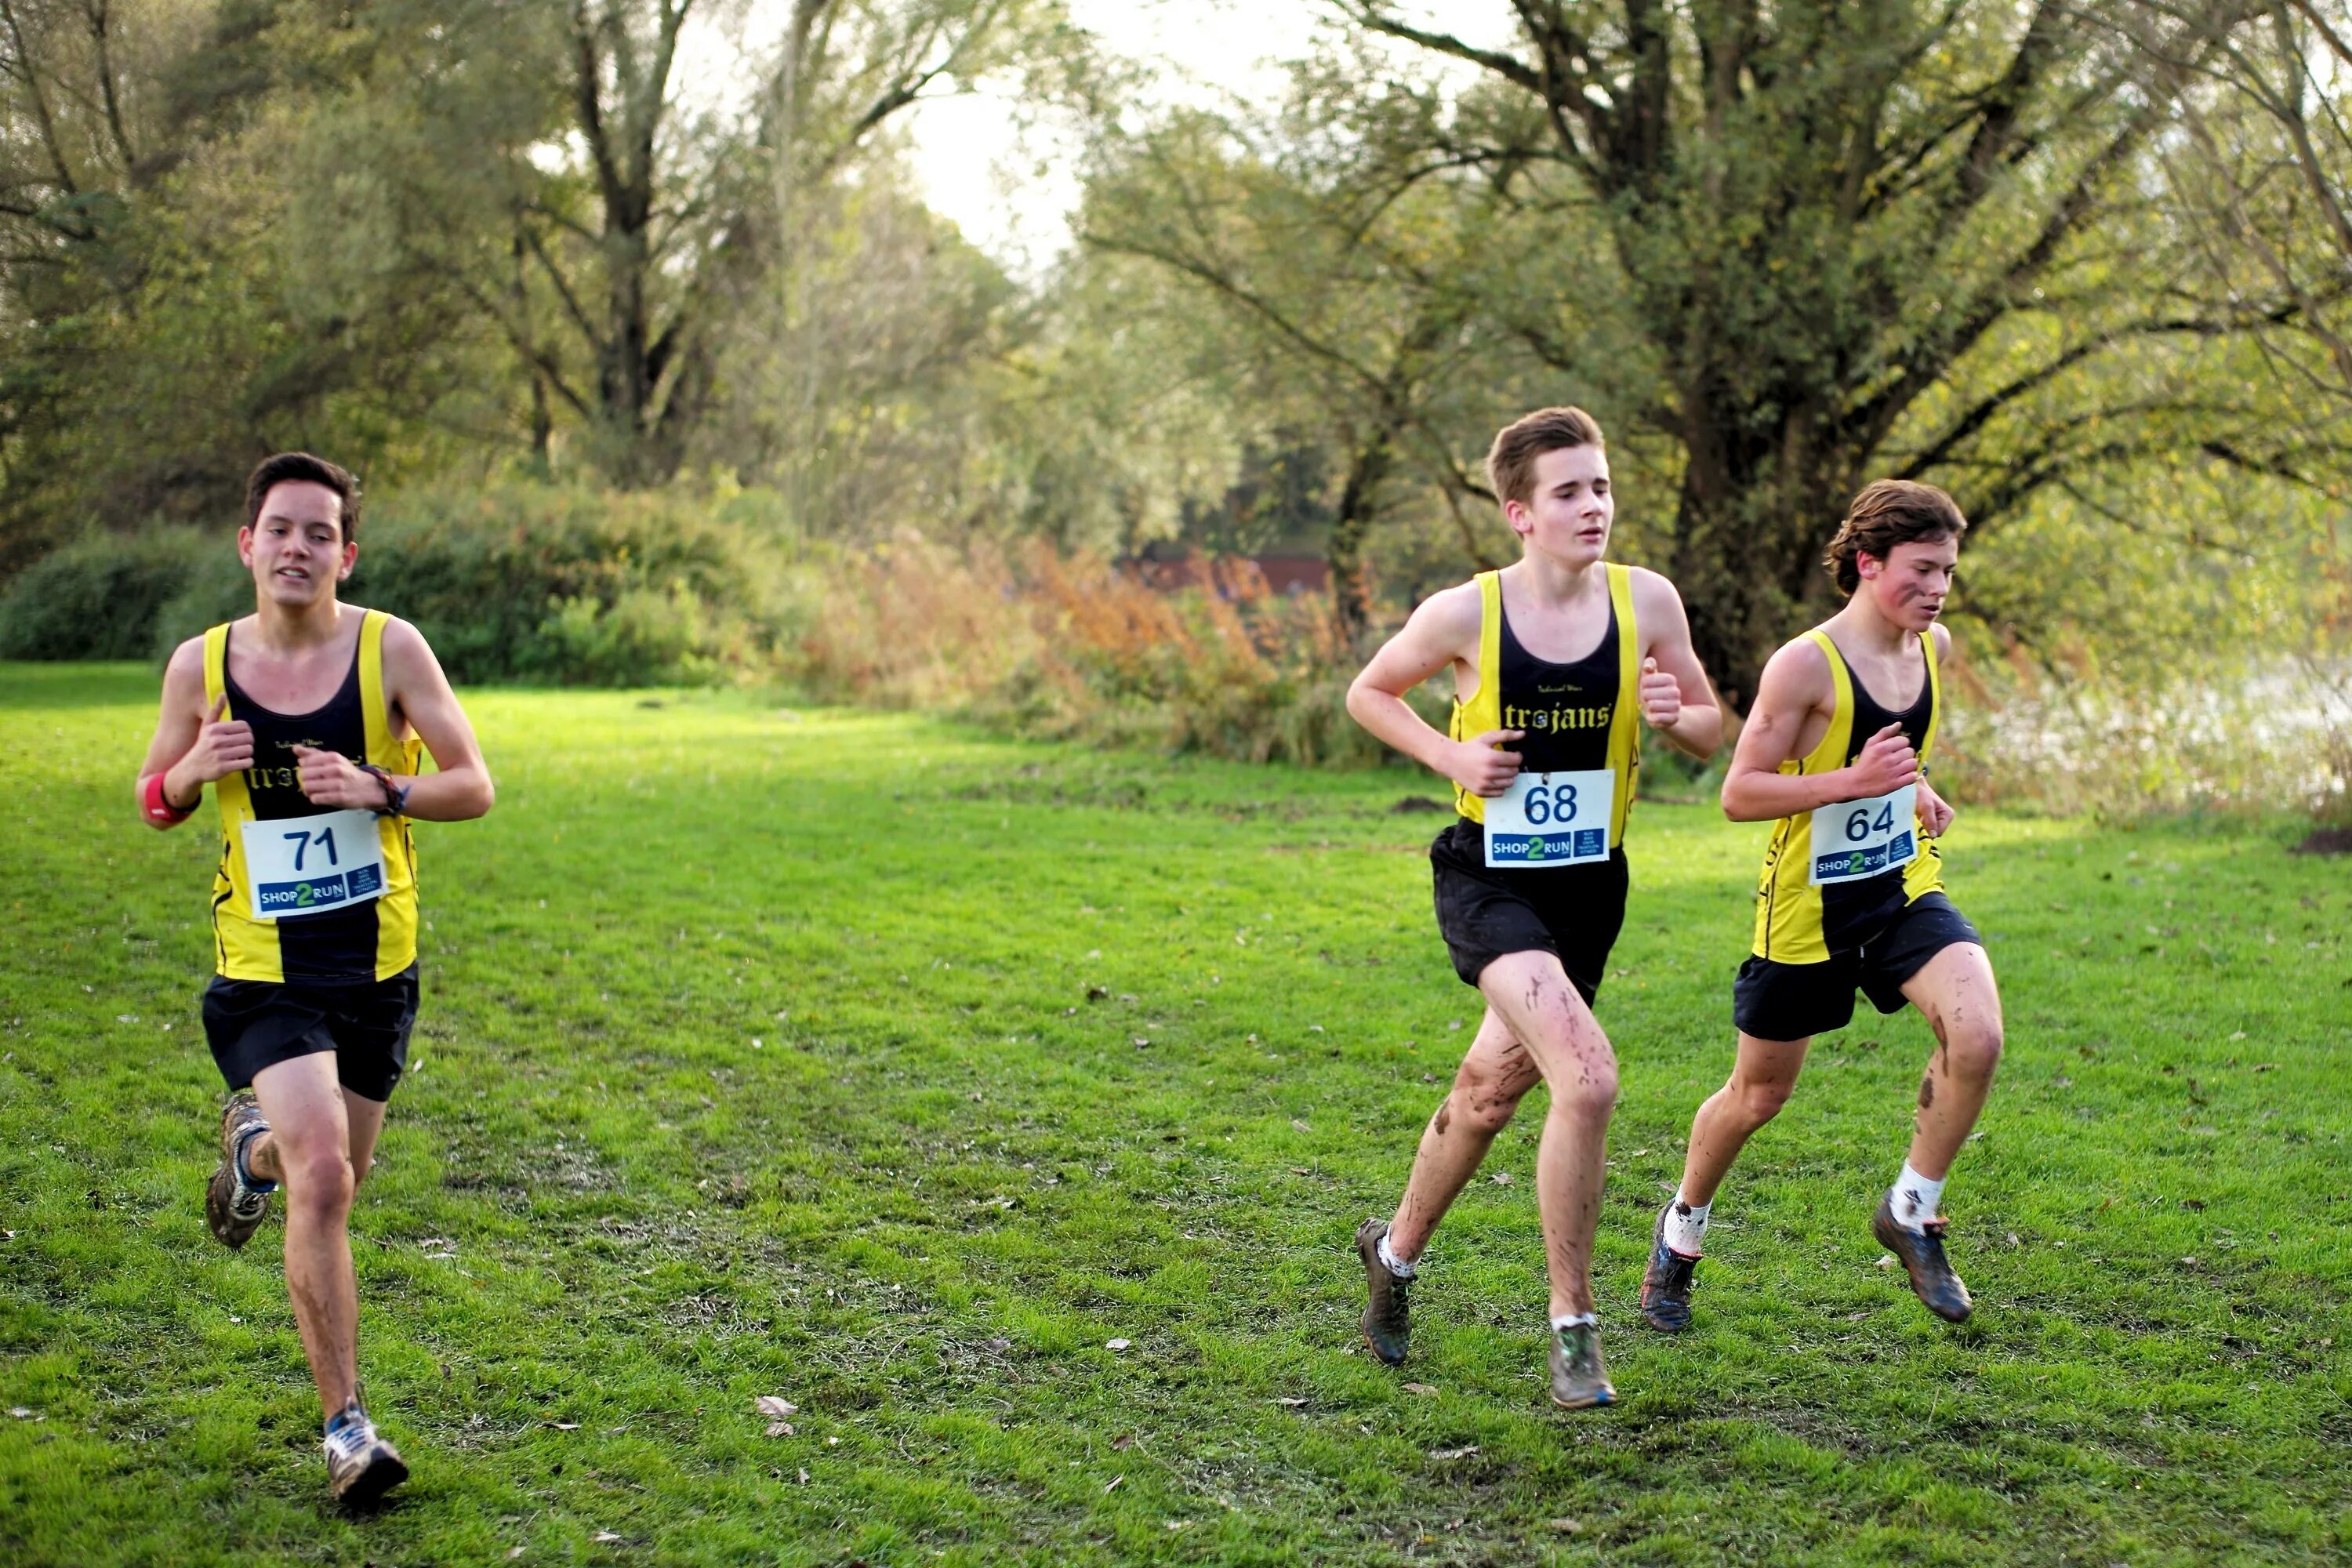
(895, 1071)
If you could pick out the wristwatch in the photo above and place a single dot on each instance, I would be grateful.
(395, 796)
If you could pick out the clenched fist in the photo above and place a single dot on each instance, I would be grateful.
(1662, 697)
(1886, 764)
(1479, 765)
(223, 747)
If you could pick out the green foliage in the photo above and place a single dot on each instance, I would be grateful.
(98, 597)
(536, 583)
(862, 1061)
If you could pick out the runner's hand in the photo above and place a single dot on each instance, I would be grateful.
(1885, 765)
(329, 778)
(1662, 697)
(1934, 812)
(223, 747)
(1480, 766)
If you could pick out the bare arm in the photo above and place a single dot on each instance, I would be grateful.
(1676, 698)
(1795, 683)
(191, 747)
(419, 691)
(1442, 631)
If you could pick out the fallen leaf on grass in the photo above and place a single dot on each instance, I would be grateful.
(774, 1405)
(1290, 1404)
(515, 1553)
(780, 1429)
(603, 1537)
(20, 1412)
(1300, 1125)
(1567, 1526)
(1888, 1261)
(1114, 1485)
(1419, 1388)
(1501, 1178)
(567, 1425)
(1462, 1453)
(1122, 1441)
(1117, 1345)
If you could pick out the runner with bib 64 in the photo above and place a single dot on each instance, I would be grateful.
(1836, 750)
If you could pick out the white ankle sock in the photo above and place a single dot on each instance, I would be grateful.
(1391, 1261)
(1915, 1198)
(1575, 1319)
(1686, 1226)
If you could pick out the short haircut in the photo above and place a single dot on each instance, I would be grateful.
(1886, 513)
(301, 466)
(1511, 461)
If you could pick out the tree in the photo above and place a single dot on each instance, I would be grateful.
(1854, 240)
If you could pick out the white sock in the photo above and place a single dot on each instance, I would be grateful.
(1686, 1226)
(1915, 1198)
(1391, 1261)
(1575, 1319)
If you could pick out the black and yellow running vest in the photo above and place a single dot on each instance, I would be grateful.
(1799, 922)
(357, 942)
(1595, 725)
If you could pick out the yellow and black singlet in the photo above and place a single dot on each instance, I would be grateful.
(1576, 717)
(1802, 919)
(360, 932)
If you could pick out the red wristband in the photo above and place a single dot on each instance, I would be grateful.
(160, 809)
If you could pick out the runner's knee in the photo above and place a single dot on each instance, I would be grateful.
(1483, 1102)
(1972, 1048)
(1760, 1099)
(1587, 1089)
(318, 1177)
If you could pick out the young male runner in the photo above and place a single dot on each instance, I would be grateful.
(307, 717)
(1552, 657)
(1851, 893)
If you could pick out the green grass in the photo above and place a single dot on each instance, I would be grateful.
(758, 1058)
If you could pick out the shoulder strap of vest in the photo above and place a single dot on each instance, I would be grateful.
(383, 750)
(216, 665)
(1490, 637)
(1935, 692)
(1830, 752)
(1625, 717)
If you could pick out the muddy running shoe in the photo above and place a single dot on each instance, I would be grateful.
(1579, 1380)
(1666, 1282)
(1387, 1321)
(1922, 1252)
(361, 1466)
(234, 1206)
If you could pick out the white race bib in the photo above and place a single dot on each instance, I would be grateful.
(1858, 838)
(306, 865)
(1552, 819)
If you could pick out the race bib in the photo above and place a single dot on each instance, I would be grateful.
(306, 865)
(1552, 819)
(1858, 838)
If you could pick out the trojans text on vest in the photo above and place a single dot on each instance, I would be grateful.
(1555, 717)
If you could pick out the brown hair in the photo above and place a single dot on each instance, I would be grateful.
(1511, 461)
(301, 466)
(1886, 513)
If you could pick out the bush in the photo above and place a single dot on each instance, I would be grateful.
(537, 583)
(98, 596)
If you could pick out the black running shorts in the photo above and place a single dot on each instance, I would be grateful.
(1573, 913)
(1775, 1001)
(257, 1024)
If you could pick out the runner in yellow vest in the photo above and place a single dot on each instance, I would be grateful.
(1851, 895)
(308, 717)
(1555, 660)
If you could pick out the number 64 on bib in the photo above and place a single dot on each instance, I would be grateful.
(1857, 838)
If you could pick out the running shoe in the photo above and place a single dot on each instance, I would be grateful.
(361, 1466)
(1388, 1321)
(232, 1206)
(1666, 1282)
(1922, 1252)
(1579, 1380)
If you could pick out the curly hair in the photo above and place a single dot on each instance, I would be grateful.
(1886, 513)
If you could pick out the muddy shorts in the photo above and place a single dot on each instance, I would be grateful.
(1775, 1001)
(257, 1024)
(1572, 913)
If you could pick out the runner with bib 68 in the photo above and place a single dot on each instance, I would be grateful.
(1557, 661)
(1836, 748)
